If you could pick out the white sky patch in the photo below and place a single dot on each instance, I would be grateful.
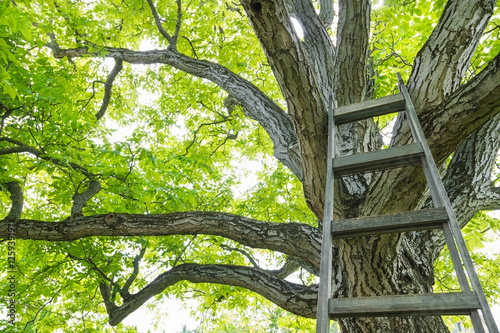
(173, 313)
(377, 4)
(246, 171)
(297, 27)
(493, 248)
(147, 44)
(179, 130)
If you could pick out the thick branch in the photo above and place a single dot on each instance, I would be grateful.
(17, 198)
(108, 87)
(106, 296)
(470, 172)
(294, 239)
(492, 199)
(465, 111)
(442, 62)
(468, 185)
(353, 35)
(316, 43)
(326, 13)
(255, 103)
(80, 199)
(292, 297)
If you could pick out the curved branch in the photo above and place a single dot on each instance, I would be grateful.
(159, 25)
(292, 297)
(17, 198)
(24, 148)
(124, 292)
(243, 252)
(290, 266)
(295, 239)
(195, 133)
(256, 105)
(108, 86)
(80, 199)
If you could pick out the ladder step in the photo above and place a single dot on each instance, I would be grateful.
(409, 221)
(461, 303)
(380, 159)
(369, 109)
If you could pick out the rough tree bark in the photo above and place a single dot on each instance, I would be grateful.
(457, 118)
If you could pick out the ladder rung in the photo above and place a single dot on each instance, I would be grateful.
(461, 303)
(379, 159)
(369, 109)
(409, 221)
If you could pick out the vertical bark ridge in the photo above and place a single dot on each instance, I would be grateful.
(353, 34)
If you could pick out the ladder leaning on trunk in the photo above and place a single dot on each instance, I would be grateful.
(470, 300)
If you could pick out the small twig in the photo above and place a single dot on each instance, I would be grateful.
(243, 252)
(492, 29)
(192, 47)
(228, 136)
(445, 286)
(159, 25)
(40, 310)
(23, 148)
(93, 94)
(94, 267)
(198, 129)
(177, 24)
(124, 292)
(179, 257)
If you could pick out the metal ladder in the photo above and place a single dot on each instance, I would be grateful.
(470, 300)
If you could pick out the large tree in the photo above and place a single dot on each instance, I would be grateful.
(106, 221)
